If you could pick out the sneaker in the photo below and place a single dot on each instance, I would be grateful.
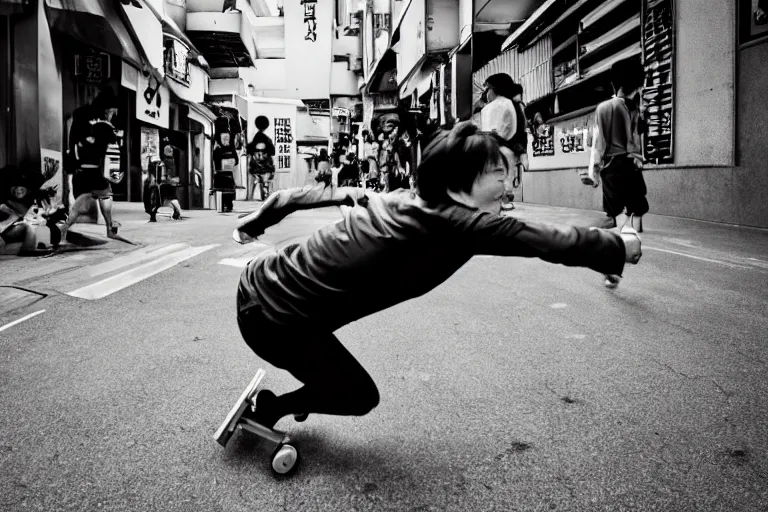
(612, 280)
(176, 216)
(262, 410)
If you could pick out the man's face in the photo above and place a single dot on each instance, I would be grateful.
(490, 186)
(19, 191)
(110, 113)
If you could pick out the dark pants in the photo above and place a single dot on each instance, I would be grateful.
(334, 382)
(623, 187)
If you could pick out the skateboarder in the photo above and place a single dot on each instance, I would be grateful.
(291, 301)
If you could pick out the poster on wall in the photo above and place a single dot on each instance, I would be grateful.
(283, 143)
(150, 145)
(573, 141)
(543, 142)
(51, 167)
(658, 56)
(754, 20)
(152, 101)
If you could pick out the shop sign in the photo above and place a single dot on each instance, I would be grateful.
(152, 99)
(544, 141)
(310, 20)
(283, 142)
(341, 112)
(92, 69)
(176, 64)
(573, 141)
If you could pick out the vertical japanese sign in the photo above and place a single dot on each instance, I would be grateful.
(308, 45)
(283, 142)
(310, 20)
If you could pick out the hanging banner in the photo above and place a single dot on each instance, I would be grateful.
(152, 101)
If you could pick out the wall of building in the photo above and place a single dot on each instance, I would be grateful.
(705, 83)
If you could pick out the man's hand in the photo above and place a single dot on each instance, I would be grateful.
(632, 245)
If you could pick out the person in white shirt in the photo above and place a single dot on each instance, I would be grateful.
(499, 116)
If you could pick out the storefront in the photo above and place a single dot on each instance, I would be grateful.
(563, 57)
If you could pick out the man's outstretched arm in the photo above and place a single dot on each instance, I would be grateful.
(597, 249)
(284, 202)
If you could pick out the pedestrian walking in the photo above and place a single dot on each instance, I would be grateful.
(349, 173)
(292, 300)
(226, 163)
(500, 116)
(617, 146)
(261, 166)
(91, 134)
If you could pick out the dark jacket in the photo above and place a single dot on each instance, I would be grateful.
(390, 248)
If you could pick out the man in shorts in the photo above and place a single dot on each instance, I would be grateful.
(91, 133)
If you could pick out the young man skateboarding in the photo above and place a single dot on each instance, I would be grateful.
(291, 301)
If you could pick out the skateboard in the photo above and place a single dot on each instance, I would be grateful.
(285, 456)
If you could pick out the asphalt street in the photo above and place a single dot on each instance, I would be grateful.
(515, 386)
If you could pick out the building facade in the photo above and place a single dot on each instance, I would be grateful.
(702, 93)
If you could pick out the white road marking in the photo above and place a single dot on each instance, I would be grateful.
(22, 319)
(576, 336)
(133, 258)
(727, 264)
(236, 262)
(115, 283)
(558, 305)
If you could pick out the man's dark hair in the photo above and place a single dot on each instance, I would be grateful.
(502, 84)
(262, 123)
(106, 99)
(453, 160)
(627, 74)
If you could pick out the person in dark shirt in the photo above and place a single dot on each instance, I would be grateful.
(89, 137)
(225, 163)
(349, 174)
(290, 301)
(261, 152)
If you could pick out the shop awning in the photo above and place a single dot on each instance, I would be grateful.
(420, 81)
(94, 22)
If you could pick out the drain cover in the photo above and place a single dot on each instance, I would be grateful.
(12, 298)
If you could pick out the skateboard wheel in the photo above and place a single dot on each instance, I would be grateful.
(284, 459)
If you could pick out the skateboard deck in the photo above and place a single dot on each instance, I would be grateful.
(225, 431)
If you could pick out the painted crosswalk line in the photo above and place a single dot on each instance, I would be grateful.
(22, 319)
(165, 258)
